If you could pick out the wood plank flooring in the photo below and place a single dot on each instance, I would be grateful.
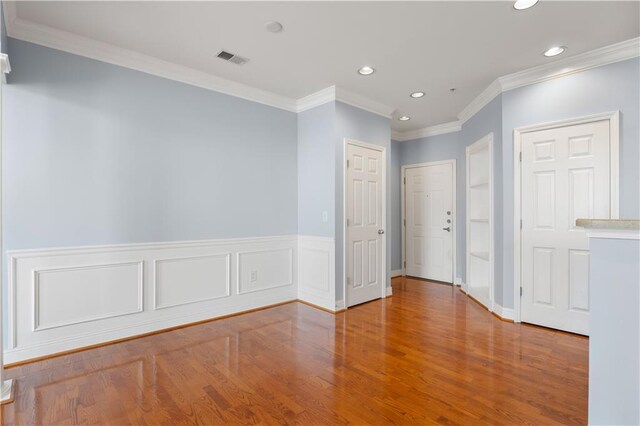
(427, 355)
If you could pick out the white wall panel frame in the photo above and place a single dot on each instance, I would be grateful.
(25, 343)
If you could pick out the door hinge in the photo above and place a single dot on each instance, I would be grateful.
(520, 223)
(347, 222)
(404, 221)
(405, 263)
(520, 291)
(404, 181)
(521, 156)
(347, 164)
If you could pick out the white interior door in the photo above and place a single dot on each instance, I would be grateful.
(429, 222)
(565, 176)
(365, 228)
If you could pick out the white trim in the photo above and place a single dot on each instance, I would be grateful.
(345, 268)
(388, 291)
(90, 48)
(617, 52)
(453, 212)
(440, 129)
(316, 99)
(396, 273)
(317, 271)
(5, 66)
(614, 149)
(482, 100)
(614, 234)
(28, 339)
(363, 103)
(340, 305)
(505, 313)
(479, 144)
(612, 53)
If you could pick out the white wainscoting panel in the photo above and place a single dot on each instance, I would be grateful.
(64, 299)
(265, 269)
(184, 280)
(316, 271)
(106, 291)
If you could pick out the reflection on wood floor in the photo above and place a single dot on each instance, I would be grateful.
(426, 355)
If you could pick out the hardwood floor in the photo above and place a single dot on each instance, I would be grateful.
(426, 355)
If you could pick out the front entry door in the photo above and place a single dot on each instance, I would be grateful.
(365, 171)
(565, 176)
(429, 222)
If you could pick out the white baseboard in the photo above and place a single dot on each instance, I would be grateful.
(457, 281)
(506, 313)
(396, 273)
(316, 271)
(340, 305)
(65, 299)
(388, 291)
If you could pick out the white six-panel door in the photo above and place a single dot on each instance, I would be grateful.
(429, 221)
(364, 202)
(565, 176)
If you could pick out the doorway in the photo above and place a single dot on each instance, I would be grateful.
(564, 171)
(429, 220)
(365, 209)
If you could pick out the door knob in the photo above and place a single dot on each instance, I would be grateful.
(380, 231)
(448, 229)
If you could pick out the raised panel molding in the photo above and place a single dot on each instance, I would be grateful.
(272, 269)
(316, 271)
(59, 302)
(193, 281)
(130, 280)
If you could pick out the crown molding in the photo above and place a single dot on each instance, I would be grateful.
(316, 99)
(104, 52)
(83, 46)
(617, 52)
(364, 103)
(486, 96)
(440, 129)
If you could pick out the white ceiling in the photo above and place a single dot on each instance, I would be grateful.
(428, 46)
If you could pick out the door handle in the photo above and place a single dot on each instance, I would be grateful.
(380, 231)
(448, 229)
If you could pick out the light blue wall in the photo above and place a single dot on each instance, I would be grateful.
(607, 88)
(487, 120)
(614, 335)
(438, 148)
(99, 154)
(316, 170)
(395, 232)
(355, 123)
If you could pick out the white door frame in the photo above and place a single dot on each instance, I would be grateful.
(614, 159)
(404, 219)
(345, 228)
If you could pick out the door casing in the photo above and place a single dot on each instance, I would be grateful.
(345, 228)
(456, 280)
(614, 160)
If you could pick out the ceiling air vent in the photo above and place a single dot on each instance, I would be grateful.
(238, 60)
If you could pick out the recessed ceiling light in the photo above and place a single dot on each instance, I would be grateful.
(555, 51)
(273, 26)
(366, 71)
(404, 118)
(417, 94)
(524, 4)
